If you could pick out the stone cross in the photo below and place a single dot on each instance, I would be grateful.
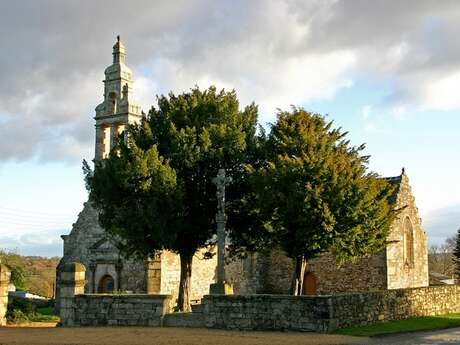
(221, 181)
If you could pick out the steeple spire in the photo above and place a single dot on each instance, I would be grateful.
(119, 51)
(118, 108)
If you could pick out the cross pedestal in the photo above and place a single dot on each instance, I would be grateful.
(221, 287)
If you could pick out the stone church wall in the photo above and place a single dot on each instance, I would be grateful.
(272, 274)
(401, 272)
(203, 274)
(246, 275)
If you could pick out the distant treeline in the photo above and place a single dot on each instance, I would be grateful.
(31, 273)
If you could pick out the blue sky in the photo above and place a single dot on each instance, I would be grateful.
(389, 77)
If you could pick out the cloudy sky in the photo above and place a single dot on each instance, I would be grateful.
(386, 71)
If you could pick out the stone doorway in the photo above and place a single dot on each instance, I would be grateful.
(106, 284)
(309, 284)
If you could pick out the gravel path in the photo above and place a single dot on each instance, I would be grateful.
(441, 337)
(163, 336)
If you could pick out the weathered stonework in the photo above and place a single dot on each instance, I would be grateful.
(404, 271)
(121, 310)
(327, 313)
(267, 312)
(5, 275)
(402, 264)
(72, 283)
(89, 245)
(203, 274)
(247, 276)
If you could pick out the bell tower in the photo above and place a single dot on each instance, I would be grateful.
(118, 108)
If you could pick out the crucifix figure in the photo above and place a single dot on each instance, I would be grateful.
(221, 182)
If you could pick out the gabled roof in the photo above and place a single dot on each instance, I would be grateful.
(396, 182)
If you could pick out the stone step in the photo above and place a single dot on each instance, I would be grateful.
(184, 320)
(197, 308)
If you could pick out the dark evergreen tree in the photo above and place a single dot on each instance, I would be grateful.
(312, 194)
(156, 191)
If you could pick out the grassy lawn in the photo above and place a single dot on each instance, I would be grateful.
(44, 314)
(409, 325)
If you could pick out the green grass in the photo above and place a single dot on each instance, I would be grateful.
(43, 318)
(46, 310)
(424, 323)
(44, 314)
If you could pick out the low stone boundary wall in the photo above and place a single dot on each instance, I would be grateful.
(267, 312)
(121, 310)
(327, 313)
(364, 308)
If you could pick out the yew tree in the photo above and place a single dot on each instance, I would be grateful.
(313, 193)
(155, 190)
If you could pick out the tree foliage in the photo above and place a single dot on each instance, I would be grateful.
(313, 193)
(17, 265)
(456, 254)
(155, 192)
(441, 258)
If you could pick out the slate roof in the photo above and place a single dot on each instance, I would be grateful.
(396, 182)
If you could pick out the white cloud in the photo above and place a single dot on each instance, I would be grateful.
(442, 93)
(275, 53)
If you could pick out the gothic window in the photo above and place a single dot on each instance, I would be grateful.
(408, 243)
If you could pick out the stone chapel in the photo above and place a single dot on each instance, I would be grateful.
(402, 264)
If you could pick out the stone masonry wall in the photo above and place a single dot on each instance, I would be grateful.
(121, 310)
(267, 312)
(246, 275)
(272, 274)
(327, 313)
(203, 274)
(88, 244)
(361, 309)
(5, 275)
(366, 274)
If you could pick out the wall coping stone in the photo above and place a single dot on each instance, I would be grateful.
(266, 296)
(129, 296)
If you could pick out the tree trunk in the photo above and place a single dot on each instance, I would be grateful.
(300, 264)
(183, 302)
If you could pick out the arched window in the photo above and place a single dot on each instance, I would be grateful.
(408, 243)
(106, 284)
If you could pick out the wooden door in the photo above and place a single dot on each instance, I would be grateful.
(309, 284)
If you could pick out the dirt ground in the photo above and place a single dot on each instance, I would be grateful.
(162, 336)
